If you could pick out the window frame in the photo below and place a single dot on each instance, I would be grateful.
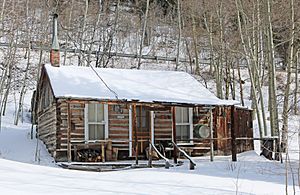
(189, 123)
(87, 123)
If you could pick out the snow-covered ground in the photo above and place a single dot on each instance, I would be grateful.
(252, 174)
(15, 141)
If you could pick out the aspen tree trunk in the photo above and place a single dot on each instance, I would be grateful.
(9, 78)
(2, 13)
(213, 64)
(67, 37)
(211, 52)
(232, 81)
(221, 61)
(179, 34)
(111, 36)
(93, 37)
(285, 111)
(254, 70)
(23, 89)
(228, 78)
(197, 70)
(272, 76)
(240, 82)
(249, 70)
(80, 56)
(296, 83)
(253, 51)
(143, 35)
(189, 55)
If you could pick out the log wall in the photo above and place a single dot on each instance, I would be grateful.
(118, 125)
(46, 115)
(162, 125)
(47, 128)
(53, 125)
(77, 124)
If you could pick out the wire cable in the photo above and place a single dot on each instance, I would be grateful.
(116, 95)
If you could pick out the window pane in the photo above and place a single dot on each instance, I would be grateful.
(183, 132)
(182, 115)
(185, 115)
(96, 132)
(178, 114)
(100, 112)
(92, 112)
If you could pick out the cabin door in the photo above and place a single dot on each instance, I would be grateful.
(143, 128)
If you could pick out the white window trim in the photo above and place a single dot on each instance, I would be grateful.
(190, 123)
(152, 126)
(86, 123)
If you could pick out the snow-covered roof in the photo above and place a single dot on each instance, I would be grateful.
(141, 85)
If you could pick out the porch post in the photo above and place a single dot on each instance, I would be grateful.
(69, 134)
(152, 126)
(134, 129)
(151, 141)
(130, 130)
(211, 135)
(233, 136)
(174, 133)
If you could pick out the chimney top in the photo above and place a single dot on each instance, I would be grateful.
(54, 53)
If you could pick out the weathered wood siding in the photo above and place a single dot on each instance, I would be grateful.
(222, 129)
(244, 128)
(118, 125)
(77, 123)
(47, 128)
(46, 115)
(162, 125)
(201, 116)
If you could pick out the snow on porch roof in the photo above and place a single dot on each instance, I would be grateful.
(142, 85)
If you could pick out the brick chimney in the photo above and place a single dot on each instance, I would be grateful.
(54, 52)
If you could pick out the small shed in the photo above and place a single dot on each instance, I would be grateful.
(118, 112)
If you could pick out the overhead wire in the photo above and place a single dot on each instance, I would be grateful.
(106, 85)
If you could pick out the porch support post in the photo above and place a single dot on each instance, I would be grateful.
(173, 110)
(69, 134)
(130, 131)
(151, 140)
(211, 135)
(152, 126)
(233, 136)
(134, 129)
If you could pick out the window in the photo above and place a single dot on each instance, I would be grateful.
(96, 121)
(184, 123)
(142, 117)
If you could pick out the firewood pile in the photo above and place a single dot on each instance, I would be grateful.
(89, 155)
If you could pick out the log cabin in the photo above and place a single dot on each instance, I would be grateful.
(86, 113)
(122, 110)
